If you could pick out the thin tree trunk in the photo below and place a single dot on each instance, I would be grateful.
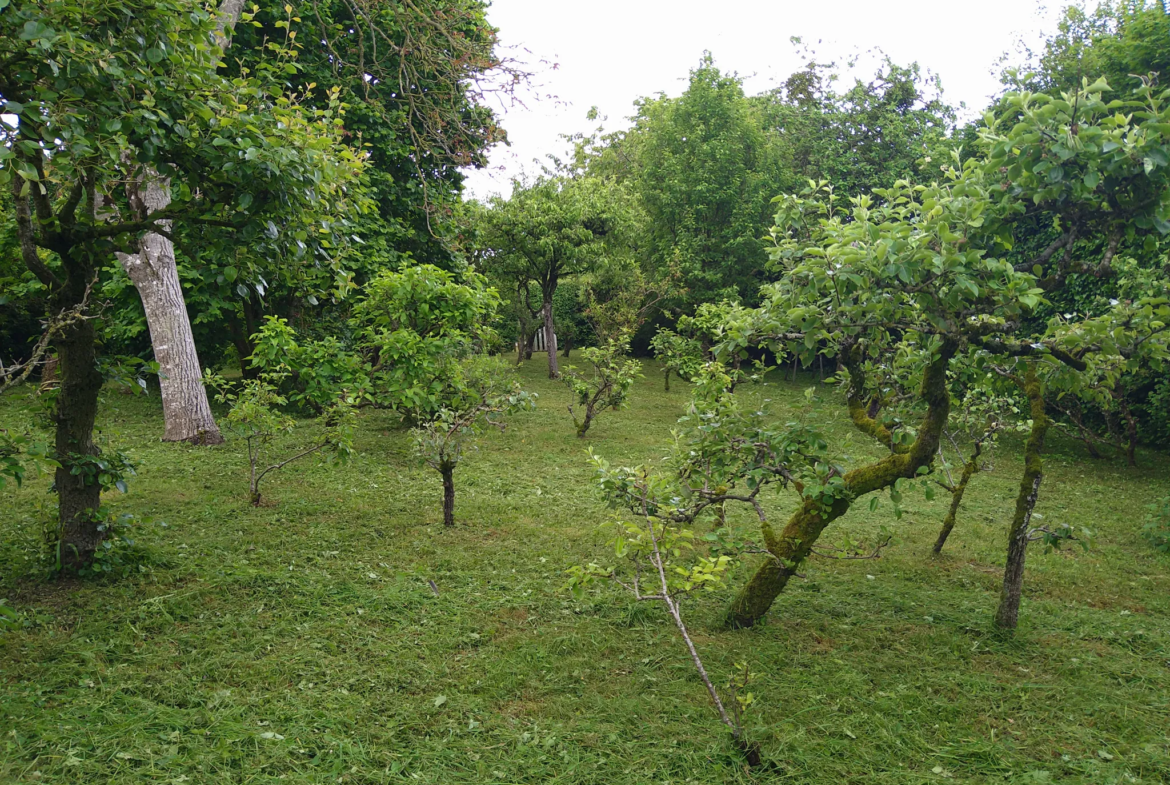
(957, 492)
(666, 380)
(78, 495)
(550, 339)
(1131, 434)
(568, 345)
(1008, 614)
(448, 472)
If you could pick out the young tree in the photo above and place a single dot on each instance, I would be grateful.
(256, 417)
(606, 386)
(678, 354)
(485, 394)
(142, 92)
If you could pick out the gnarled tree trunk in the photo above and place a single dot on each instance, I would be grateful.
(1008, 614)
(794, 543)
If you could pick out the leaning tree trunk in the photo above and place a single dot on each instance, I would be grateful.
(1008, 614)
(448, 472)
(550, 340)
(795, 541)
(186, 411)
(78, 494)
(957, 498)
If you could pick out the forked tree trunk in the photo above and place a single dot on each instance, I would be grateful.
(957, 492)
(78, 495)
(1008, 614)
(186, 412)
(550, 340)
(448, 472)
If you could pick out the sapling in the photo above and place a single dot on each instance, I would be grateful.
(678, 354)
(488, 392)
(256, 418)
(606, 387)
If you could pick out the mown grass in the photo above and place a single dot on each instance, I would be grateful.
(301, 641)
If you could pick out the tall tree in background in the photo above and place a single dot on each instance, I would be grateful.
(553, 229)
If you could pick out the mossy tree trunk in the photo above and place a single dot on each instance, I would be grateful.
(957, 492)
(1008, 614)
(794, 543)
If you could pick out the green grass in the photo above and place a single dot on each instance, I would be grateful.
(300, 642)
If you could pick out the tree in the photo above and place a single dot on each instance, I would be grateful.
(917, 272)
(486, 395)
(606, 386)
(678, 354)
(142, 91)
(256, 418)
(552, 229)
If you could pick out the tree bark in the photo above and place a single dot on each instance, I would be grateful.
(550, 339)
(78, 495)
(666, 380)
(1008, 614)
(794, 543)
(186, 412)
(448, 472)
(957, 492)
(568, 345)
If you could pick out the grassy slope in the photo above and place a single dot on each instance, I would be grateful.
(311, 618)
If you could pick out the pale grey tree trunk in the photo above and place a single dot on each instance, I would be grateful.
(186, 412)
(550, 341)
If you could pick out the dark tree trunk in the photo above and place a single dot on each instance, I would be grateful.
(1008, 614)
(448, 472)
(550, 338)
(244, 347)
(666, 380)
(79, 495)
(568, 345)
(1131, 434)
(957, 492)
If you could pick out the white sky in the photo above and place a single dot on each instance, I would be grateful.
(610, 52)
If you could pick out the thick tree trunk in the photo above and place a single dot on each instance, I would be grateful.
(1008, 614)
(78, 495)
(186, 412)
(794, 543)
(957, 492)
(448, 472)
(550, 339)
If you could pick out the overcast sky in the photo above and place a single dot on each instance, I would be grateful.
(610, 52)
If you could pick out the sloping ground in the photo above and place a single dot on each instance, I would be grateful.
(301, 641)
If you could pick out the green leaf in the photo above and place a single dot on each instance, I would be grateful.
(154, 55)
(230, 273)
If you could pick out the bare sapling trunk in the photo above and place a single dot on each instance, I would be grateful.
(447, 469)
(550, 339)
(957, 492)
(1008, 614)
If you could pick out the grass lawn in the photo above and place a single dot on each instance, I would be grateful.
(301, 641)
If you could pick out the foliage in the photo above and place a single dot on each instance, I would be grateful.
(606, 386)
